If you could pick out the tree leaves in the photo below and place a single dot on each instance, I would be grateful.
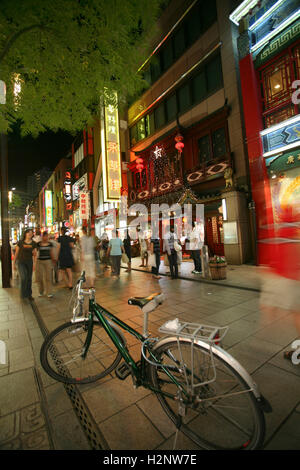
(67, 52)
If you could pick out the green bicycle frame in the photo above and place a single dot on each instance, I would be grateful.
(139, 373)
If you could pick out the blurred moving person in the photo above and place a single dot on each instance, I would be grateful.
(87, 244)
(65, 257)
(45, 261)
(281, 278)
(25, 260)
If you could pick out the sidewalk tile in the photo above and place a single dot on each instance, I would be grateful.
(130, 429)
(17, 391)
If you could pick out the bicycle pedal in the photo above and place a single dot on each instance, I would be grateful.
(122, 371)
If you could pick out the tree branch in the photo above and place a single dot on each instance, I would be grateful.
(13, 39)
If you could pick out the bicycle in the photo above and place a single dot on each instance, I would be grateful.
(207, 394)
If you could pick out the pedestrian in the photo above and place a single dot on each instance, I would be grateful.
(104, 242)
(169, 240)
(55, 255)
(281, 273)
(143, 248)
(87, 245)
(155, 250)
(45, 262)
(65, 257)
(195, 247)
(115, 250)
(37, 237)
(76, 252)
(25, 258)
(127, 248)
(96, 250)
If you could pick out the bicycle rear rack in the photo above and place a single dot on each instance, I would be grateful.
(194, 331)
(199, 367)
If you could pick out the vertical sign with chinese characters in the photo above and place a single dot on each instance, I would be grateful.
(111, 161)
(84, 210)
(48, 208)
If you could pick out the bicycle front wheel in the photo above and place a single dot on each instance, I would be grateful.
(222, 414)
(61, 353)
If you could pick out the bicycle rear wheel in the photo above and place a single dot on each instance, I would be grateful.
(61, 353)
(223, 414)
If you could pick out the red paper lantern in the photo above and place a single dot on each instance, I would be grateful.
(139, 164)
(179, 143)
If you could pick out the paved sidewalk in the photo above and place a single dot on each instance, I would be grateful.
(240, 276)
(37, 413)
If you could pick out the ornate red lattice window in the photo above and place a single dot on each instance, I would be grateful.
(276, 79)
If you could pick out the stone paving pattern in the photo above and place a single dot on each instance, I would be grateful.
(36, 412)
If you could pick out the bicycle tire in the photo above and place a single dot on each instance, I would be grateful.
(199, 427)
(64, 364)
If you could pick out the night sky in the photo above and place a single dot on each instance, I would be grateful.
(26, 155)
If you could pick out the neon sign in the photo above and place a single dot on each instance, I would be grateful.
(281, 137)
(48, 208)
(111, 161)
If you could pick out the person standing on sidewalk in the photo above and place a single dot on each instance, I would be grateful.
(45, 262)
(65, 257)
(25, 258)
(115, 250)
(155, 250)
(55, 254)
(168, 247)
(143, 248)
(195, 247)
(127, 248)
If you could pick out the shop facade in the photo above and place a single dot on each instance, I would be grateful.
(269, 64)
(185, 131)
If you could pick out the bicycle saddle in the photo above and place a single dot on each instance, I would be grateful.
(143, 301)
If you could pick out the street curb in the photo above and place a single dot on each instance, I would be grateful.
(204, 281)
(89, 427)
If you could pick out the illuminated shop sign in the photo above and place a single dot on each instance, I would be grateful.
(48, 208)
(111, 161)
(270, 18)
(281, 137)
(84, 205)
(79, 186)
(67, 187)
(280, 19)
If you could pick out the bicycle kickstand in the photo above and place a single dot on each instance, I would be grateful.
(178, 426)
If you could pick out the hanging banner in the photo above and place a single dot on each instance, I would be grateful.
(48, 208)
(84, 205)
(111, 156)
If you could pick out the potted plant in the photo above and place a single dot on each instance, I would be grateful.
(217, 266)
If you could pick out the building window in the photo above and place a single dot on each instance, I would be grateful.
(184, 98)
(167, 56)
(214, 75)
(78, 156)
(276, 86)
(204, 147)
(198, 20)
(171, 108)
(219, 143)
(213, 146)
(159, 116)
(199, 87)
